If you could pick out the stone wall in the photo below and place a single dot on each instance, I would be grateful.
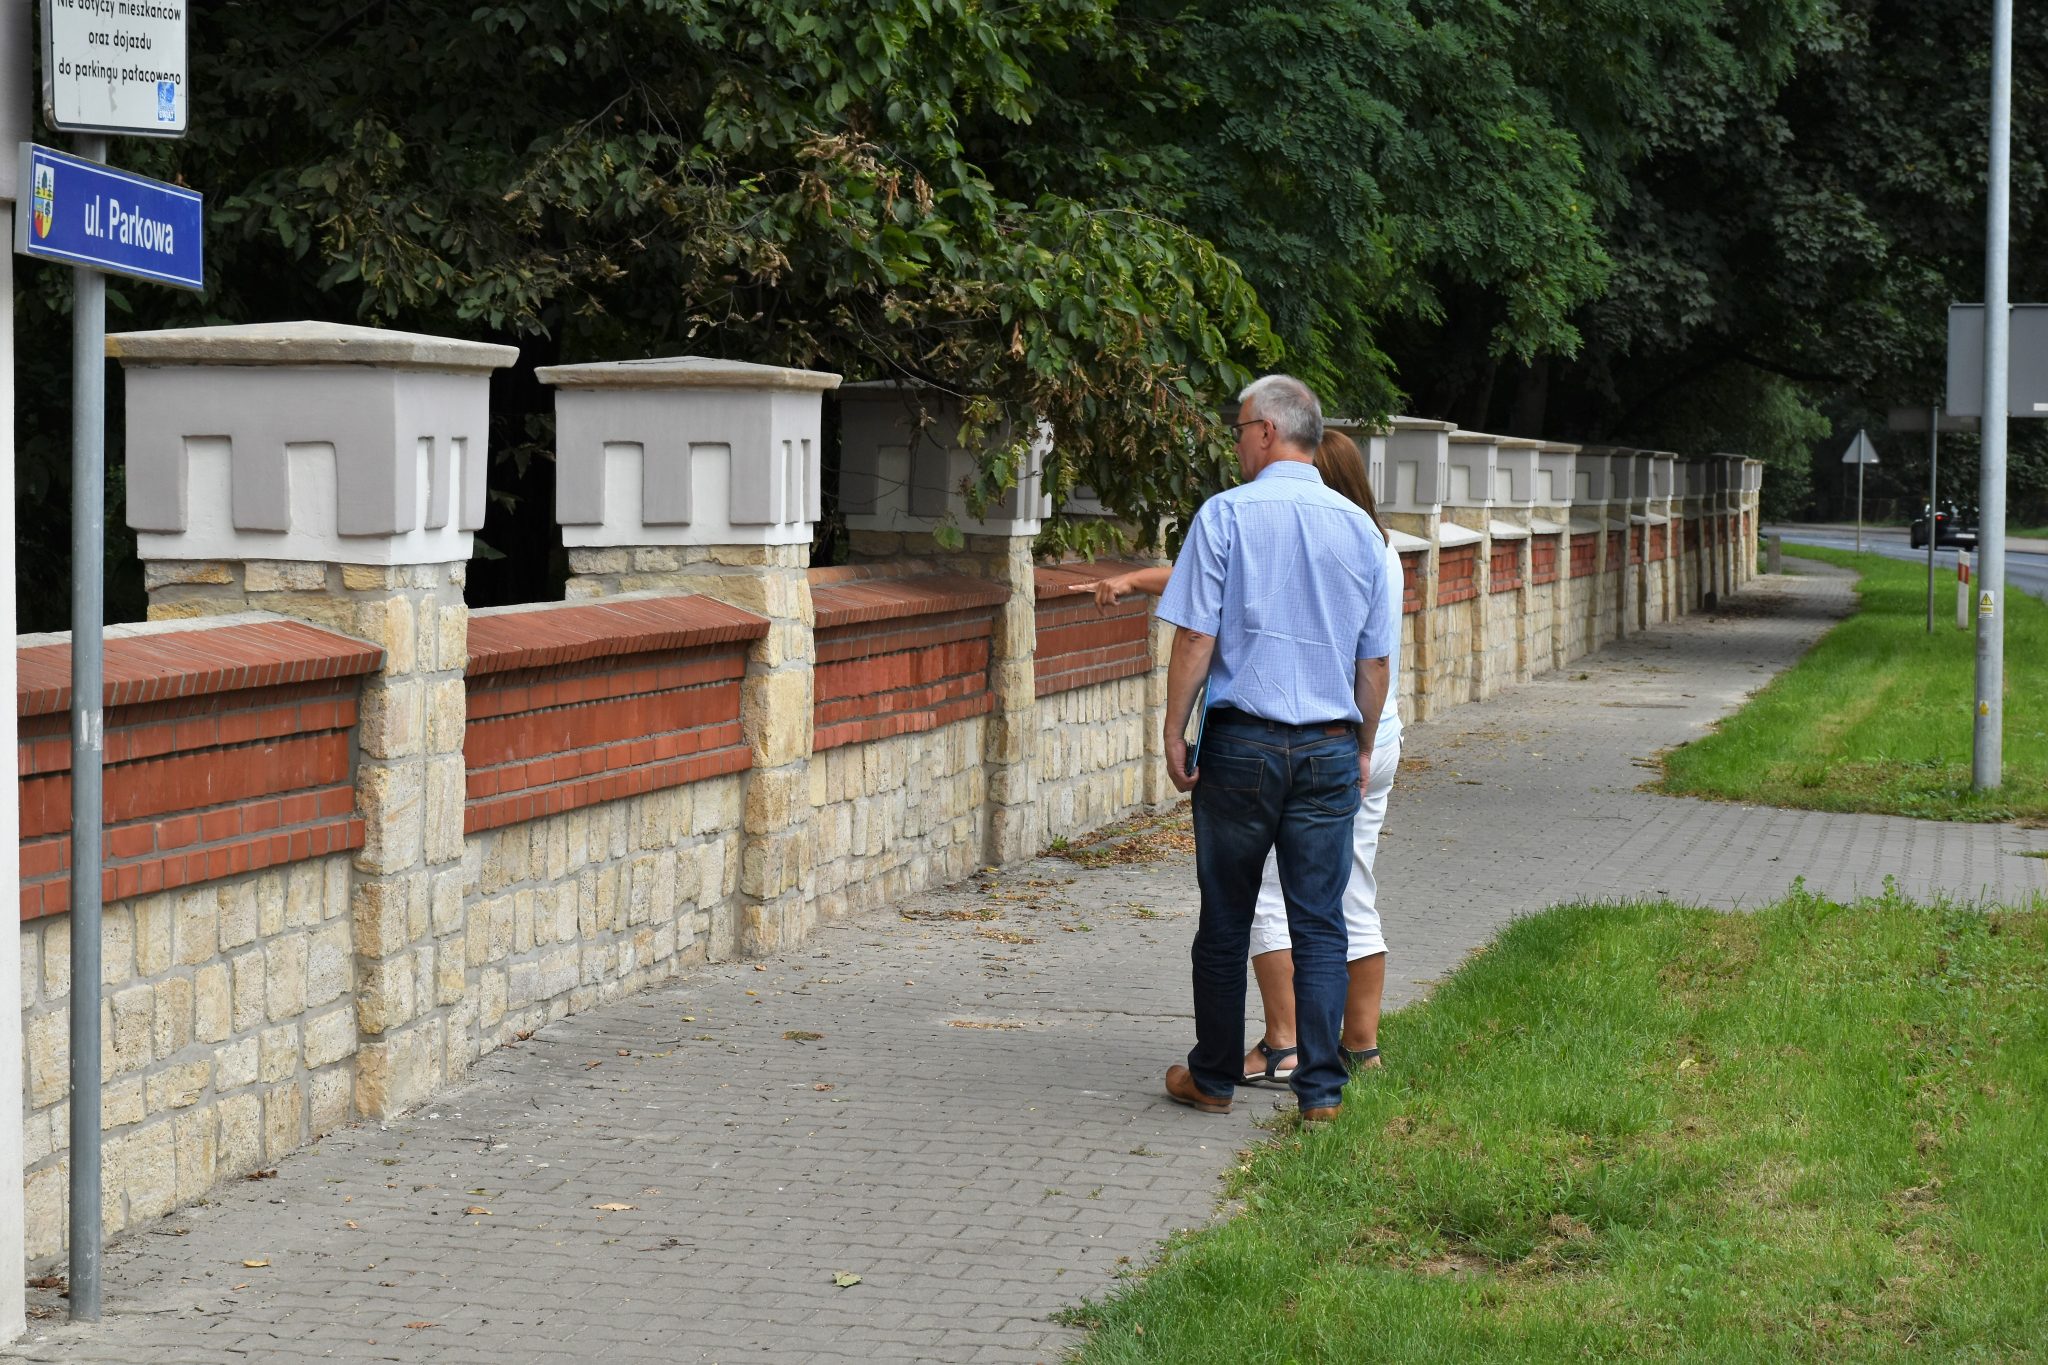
(893, 816)
(570, 910)
(1094, 748)
(340, 870)
(229, 1036)
(1507, 616)
(1456, 673)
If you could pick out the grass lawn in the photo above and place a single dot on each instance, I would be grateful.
(1810, 1133)
(1877, 717)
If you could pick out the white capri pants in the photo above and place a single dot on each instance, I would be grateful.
(1361, 894)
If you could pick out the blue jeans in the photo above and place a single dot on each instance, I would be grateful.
(1292, 789)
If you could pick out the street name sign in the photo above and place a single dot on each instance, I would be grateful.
(115, 66)
(82, 213)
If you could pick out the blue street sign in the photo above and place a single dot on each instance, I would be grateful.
(82, 213)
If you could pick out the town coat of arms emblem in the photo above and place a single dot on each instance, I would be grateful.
(45, 198)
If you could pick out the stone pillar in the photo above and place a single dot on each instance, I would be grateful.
(1636, 597)
(1720, 496)
(1556, 481)
(696, 475)
(1752, 510)
(1468, 502)
(335, 474)
(1663, 574)
(1692, 514)
(1625, 497)
(1416, 465)
(1514, 510)
(903, 471)
(1594, 470)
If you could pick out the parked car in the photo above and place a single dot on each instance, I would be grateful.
(1953, 525)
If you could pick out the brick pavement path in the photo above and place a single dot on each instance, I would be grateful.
(977, 1131)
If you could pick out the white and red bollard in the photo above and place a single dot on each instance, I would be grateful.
(1962, 589)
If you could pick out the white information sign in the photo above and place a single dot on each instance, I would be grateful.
(115, 66)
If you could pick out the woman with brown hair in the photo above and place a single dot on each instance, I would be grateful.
(1343, 469)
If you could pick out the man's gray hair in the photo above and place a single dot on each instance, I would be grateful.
(1290, 406)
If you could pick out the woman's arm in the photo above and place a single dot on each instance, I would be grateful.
(1109, 591)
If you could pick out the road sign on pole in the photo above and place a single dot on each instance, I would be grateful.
(83, 213)
(2026, 360)
(2004, 392)
(1933, 503)
(1932, 420)
(109, 66)
(115, 66)
(1860, 453)
(1925, 419)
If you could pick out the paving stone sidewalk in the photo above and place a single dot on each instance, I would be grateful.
(956, 1100)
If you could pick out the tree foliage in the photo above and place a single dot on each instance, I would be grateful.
(1687, 223)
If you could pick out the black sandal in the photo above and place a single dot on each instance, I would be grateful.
(1272, 1075)
(1356, 1058)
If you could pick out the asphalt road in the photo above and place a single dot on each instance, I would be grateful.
(2025, 570)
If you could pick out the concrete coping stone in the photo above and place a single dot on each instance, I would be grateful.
(1461, 437)
(1356, 426)
(1585, 525)
(1559, 448)
(1448, 535)
(685, 372)
(1419, 424)
(252, 651)
(1544, 526)
(1406, 544)
(545, 634)
(308, 343)
(1507, 530)
(837, 605)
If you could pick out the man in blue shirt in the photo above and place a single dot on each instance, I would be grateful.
(1277, 603)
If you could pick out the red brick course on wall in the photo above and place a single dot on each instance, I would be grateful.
(227, 751)
(570, 705)
(1658, 535)
(1081, 644)
(1457, 570)
(899, 656)
(1505, 568)
(1585, 554)
(1543, 559)
(1414, 568)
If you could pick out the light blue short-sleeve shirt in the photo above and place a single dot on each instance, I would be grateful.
(1289, 576)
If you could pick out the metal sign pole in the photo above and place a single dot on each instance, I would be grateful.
(1986, 758)
(1933, 486)
(1859, 502)
(88, 614)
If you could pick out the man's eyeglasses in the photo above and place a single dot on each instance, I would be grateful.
(1238, 427)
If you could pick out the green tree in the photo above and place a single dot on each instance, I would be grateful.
(602, 178)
